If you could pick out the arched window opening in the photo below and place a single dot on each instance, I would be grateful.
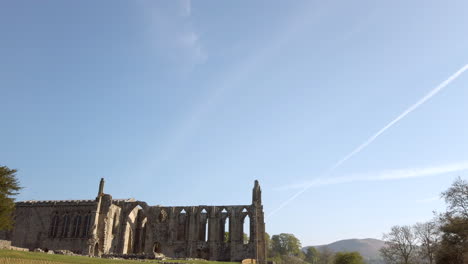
(207, 231)
(115, 224)
(157, 247)
(204, 226)
(143, 238)
(182, 226)
(87, 224)
(132, 224)
(130, 240)
(66, 225)
(76, 226)
(227, 230)
(96, 250)
(54, 225)
(226, 226)
(246, 230)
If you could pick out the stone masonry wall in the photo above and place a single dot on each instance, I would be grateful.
(126, 226)
(34, 221)
(5, 244)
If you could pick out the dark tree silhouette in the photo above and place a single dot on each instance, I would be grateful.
(9, 187)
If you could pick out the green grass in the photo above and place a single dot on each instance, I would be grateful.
(20, 255)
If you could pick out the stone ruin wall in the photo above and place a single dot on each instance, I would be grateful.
(5, 244)
(35, 220)
(109, 226)
(188, 231)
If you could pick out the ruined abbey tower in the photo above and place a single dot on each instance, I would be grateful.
(127, 226)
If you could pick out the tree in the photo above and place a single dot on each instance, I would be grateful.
(245, 238)
(326, 256)
(268, 245)
(9, 187)
(348, 258)
(400, 245)
(311, 255)
(286, 245)
(453, 248)
(457, 198)
(428, 236)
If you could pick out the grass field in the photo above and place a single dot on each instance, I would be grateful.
(19, 257)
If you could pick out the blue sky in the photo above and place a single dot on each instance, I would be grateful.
(188, 102)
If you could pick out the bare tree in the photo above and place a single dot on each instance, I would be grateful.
(457, 198)
(400, 245)
(428, 235)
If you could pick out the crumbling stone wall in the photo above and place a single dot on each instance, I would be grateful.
(109, 226)
(199, 231)
(5, 244)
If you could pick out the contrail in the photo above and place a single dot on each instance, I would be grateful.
(366, 143)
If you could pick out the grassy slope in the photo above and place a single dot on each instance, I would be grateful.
(81, 259)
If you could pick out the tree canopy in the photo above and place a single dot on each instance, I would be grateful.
(453, 247)
(286, 245)
(9, 187)
(348, 258)
(311, 255)
(443, 240)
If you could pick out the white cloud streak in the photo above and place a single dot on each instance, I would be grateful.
(384, 175)
(366, 143)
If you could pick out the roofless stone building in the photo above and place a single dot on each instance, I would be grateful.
(110, 226)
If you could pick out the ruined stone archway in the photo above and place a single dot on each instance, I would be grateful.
(96, 250)
(157, 247)
(135, 231)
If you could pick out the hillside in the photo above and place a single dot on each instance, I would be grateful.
(368, 248)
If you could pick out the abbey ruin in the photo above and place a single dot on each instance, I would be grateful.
(111, 226)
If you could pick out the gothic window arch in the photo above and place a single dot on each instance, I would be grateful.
(204, 230)
(226, 226)
(76, 226)
(115, 224)
(87, 224)
(54, 225)
(182, 225)
(246, 232)
(66, 225)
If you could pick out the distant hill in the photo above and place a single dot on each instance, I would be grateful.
(368, 248)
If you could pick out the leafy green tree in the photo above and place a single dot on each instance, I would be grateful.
(286, 245)
(245, 238)
(312, 255)
(9, 187)
(268, 245)
(348, 258)
(326, 256)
